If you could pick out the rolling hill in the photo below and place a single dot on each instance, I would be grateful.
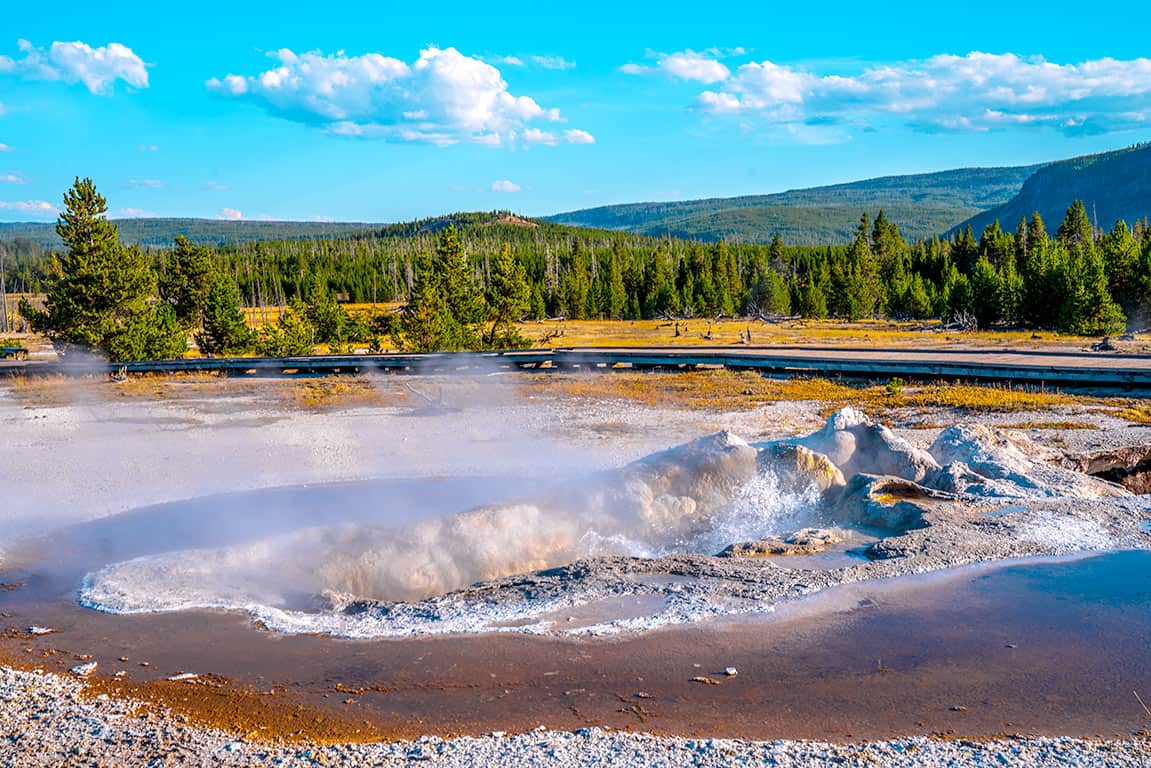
(1113, 185)
(160, 232)
(923, 205)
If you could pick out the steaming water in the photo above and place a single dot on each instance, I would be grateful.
(646, 510)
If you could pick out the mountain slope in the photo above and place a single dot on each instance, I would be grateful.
(1113, 185)
(922, 204)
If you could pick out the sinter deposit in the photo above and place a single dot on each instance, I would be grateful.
(654, 527)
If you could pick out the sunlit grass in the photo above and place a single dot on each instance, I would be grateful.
(606, 333)
(744, 390)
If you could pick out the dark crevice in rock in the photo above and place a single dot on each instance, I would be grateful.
(1129, 467)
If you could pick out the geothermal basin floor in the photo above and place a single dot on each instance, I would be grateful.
(1056, 647)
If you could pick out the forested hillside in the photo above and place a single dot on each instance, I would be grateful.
(1077, 280)
(1112, 186)
(926, 204)
(160, 232)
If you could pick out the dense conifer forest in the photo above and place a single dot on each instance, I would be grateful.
(472, 275)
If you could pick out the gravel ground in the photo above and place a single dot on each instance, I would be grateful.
(46, 721)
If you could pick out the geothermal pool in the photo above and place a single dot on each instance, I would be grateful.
(973, 587)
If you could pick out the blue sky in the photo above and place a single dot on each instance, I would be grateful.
(390, 112)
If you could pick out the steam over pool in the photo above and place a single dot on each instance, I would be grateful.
(696, 498)
(469, 571)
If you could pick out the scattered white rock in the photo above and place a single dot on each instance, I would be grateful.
(83, 670)
(34, 630)
(730, 671)
(45, 722)
(182, 677)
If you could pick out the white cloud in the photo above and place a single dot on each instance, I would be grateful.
(148, 148)
(443, 98)
(135, 213)
(552, 62)
(503, 185)
(976, 92)
(11, 178)
(215, 186)
(686, 65)
(145, 184)
(323, 219)
(536, 136)
(5, 148)
(690, 65)
(550, 139)
(231, 214)
(576, 136)
(35, 207)
(511, 61)
(76, 62)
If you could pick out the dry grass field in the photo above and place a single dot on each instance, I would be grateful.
(608, 333)
(724, 390)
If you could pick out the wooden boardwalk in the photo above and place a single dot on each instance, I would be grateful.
(1032, 367)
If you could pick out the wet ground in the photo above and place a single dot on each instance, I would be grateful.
(1048, 647)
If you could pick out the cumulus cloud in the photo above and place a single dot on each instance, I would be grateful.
(135, 213)
(536, 136)
(5, 148)
(443, 98)
(76, 62)
(972, 93)
(576, 136)
(215, 186)
(145, 184)
(686, 65)
(503, 185)
(11, 178)
(231, 214)
(148, 148)
(35, 207)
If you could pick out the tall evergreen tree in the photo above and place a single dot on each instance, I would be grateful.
(507, 300)
(1076, 230)
(187, 280)
(100, 293)
(225, 330)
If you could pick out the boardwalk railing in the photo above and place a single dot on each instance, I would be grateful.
(1035, 367)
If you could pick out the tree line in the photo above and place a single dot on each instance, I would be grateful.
(465, 281)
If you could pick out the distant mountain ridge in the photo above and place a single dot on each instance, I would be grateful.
(922, 204)
(160, 232)
(1113, 185)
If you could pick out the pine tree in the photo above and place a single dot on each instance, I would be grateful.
(985, 293)
(1010, 289)
(186, 282)
(507, 299)
(616, 298)
(290, 336)
(459, 285)
(428, 323)
(225, 330)
(324, 313)
(1036, 232)
(100, 292)
(1076, 230)
(1089, 309)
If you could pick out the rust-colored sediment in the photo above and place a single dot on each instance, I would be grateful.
(213, 701)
